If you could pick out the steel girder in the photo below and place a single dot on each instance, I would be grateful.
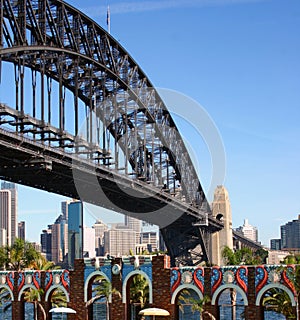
(127, 127)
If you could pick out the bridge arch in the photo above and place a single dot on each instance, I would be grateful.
(275, 286)
(229, 286)
(132, 274)
(89, 278)
(187, 287)
(58, 42)
(55, 287)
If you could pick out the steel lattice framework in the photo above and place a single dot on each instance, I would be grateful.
(69, 71)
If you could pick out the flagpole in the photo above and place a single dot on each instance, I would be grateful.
(108, 19)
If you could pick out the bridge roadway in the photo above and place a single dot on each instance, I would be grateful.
(35, 164)
(66, 69)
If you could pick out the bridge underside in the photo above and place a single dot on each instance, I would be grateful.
(35, 165)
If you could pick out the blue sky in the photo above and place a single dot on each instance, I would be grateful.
(239, 59)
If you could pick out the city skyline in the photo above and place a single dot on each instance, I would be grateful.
(239, 59)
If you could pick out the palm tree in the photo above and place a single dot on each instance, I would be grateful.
(278, 300)
(103, 290)
(5, 299)
(139, 291)
(58, 298)
(33, 296)
(198, 305)
(41, 263)
(18, 256)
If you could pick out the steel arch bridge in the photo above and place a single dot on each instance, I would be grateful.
(84, 121)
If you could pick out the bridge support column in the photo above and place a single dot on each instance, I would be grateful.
(76, 292)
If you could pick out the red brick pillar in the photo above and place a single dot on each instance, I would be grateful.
(77, 292)
(17, 306)
(213, 309)
(117, 308)
(252, 312)
(161, 284)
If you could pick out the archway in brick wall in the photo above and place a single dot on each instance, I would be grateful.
(274, 298)
(136, 293)
(27, 307)
(185, 297)
(231, 301)
(6, 298)
(96, 285)
(57, 296)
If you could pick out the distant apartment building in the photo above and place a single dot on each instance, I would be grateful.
(248, 231)
(276, 256)
(149, 239)
(275, 244)
(119, 241)
(290, 235)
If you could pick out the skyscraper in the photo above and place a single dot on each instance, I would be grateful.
(5, 216)
(135, 225)
(14, 208)
(46, 243)
(100, 228)
(290, 234)
(8, 213)
(75, 232)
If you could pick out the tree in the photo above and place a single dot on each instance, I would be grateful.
(243, 256)
(197, 303)
(139, 290)
(19, 256)
(103, 290)
(278, 300)
(33, 296)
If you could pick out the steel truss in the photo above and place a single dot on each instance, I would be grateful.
(127, 128)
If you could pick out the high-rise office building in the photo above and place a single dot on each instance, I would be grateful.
(275, 244)
(13, 232)
(100, 228)
(46, 243)
(248, 231)
(59, 239)
(75, 234)
(290, 234)
(5, 216)
(135, 225)
(89, 250)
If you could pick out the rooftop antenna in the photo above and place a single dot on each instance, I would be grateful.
(108, 19)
